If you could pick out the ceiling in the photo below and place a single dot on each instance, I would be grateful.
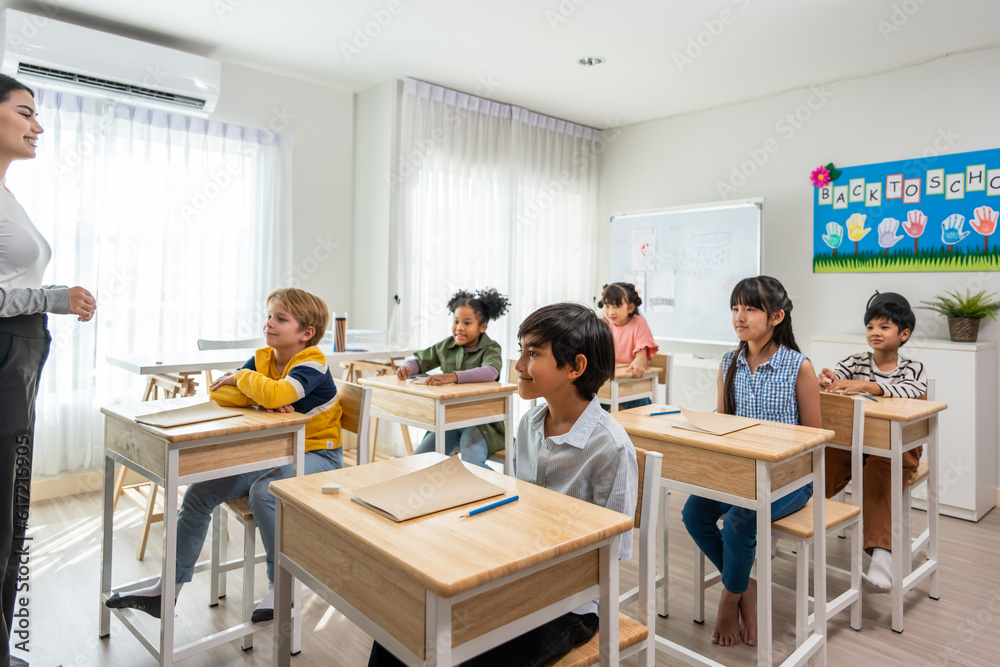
(663, 57)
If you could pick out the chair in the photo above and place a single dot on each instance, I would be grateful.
(625, 388)
(634, 636)
(661, 364)
(353, 371)
(845, 416)
(355, 402)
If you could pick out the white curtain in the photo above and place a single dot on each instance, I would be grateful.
(179, 226)
(489, 195)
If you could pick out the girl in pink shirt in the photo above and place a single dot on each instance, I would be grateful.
(634, 344)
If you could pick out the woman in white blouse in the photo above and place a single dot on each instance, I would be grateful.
(24, 340)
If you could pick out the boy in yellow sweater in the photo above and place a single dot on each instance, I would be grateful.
(289, 375)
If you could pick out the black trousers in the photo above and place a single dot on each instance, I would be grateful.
(534, 648)
(24, 346)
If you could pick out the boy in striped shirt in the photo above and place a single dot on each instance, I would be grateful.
(889, 321)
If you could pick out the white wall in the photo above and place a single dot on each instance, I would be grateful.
(374, 254)
(322, 121)
(945, 106)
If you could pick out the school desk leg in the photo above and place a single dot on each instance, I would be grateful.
(764, 646)
(282, 598)
(899, 550)
(608, 612)
(107, 533)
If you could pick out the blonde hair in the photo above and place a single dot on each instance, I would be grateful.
(308, 310)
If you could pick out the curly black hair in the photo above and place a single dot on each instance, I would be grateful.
(488, 303)
(617, 294)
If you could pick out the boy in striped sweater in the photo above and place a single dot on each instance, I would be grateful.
(289, 375)
(889, 321)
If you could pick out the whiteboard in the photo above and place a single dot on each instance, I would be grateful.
(685, 262)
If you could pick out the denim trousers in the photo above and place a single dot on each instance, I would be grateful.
(201, 498)
(470, 440)
(733, 548)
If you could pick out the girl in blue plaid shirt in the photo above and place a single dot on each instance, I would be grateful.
(766, 377)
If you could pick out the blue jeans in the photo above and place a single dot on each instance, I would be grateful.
(732, 549)
(201, 498)
(472, 442)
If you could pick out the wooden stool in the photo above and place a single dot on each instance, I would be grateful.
(353, 371)
(144, 494)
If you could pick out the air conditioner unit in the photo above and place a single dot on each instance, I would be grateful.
(60, 56)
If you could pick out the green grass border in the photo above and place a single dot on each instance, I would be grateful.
(935, 259)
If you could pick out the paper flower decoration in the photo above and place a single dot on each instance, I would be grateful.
(856, 229)
(821, 176)
(915, 223)
(985, 223)
(951, 230)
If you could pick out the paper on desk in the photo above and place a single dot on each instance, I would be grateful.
(442, 486)
(193, 414)
(712, 422)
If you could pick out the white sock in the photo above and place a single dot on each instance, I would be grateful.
(879, 577)
(268, 601)
(155, 589)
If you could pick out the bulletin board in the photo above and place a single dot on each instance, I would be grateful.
(925, 214)
(685, 261)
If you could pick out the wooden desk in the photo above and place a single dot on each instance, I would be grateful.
(255, 440)
(894, 426)
(623, 387)
(438, 589)
(442, 408)
(749, 468)
(197, 361)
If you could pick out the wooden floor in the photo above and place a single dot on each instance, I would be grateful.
(962, 628)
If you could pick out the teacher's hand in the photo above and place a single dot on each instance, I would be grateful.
(82, 303)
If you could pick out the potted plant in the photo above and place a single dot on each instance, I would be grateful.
(964, 312)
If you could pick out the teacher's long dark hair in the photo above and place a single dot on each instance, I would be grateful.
(767, 294)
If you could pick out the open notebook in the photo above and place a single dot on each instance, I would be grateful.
(712, 422)
(193, 414)
(441, 486)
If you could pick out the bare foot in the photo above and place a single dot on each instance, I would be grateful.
(727, 621)
(748, 614)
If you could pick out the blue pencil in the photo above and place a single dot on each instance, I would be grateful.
(667, 412)
(870, 397)
(480, 510)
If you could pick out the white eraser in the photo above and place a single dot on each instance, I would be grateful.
(331, 488)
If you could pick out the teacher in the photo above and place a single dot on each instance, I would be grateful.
(24, 339)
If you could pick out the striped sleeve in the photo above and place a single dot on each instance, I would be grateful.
(855, 367)
(271, 394)
(909, 381)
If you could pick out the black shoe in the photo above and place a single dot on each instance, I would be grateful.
(147, 603)
(261, 615)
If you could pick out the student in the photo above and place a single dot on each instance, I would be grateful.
(766, 377)
(468, 355)
(634, 344)
(289, 375)
(568, 444)
(889, 321)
